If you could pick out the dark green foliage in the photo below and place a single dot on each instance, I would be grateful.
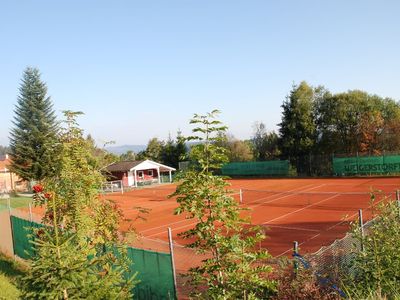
(174, 151)
(4, 150)
(297, 129)
(33, 138)
(169, 152)
(356, 121)
(265, 144)
(316, 122)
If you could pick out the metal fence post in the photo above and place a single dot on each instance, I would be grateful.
(361, 224)
(295, 252)
(30, 213)
(171, 249)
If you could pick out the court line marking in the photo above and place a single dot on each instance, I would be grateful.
(300, 209)
(194, 223)
(291, 228)
(277, 195)
(348, 218)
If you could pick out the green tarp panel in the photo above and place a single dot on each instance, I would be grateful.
(367, 165)
(154, 268)
(272, 167)
(155, 273)
(22, 231)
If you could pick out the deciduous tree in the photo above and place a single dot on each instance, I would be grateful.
(233, 269)
(297, 129)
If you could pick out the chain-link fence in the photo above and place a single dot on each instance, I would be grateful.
(334, 261)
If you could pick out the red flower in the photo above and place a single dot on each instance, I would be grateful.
(37, 188)
(39, 233)
(47, 195)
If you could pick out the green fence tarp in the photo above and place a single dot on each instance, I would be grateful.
(22, 231)
(272, 167)
(154, 272)
(154, 268)
(367, 165)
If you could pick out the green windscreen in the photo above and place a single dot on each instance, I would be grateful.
(154, 268)
(22, 231)
(272, 167)
(367, 165)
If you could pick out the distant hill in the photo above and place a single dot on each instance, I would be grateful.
(124, 148)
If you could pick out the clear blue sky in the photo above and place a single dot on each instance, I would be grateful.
(140, 69)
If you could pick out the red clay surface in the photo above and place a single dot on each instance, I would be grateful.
(313, 212)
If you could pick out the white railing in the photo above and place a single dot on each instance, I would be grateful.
(115, 186)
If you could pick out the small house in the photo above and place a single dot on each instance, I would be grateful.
(10, 181)
(134, 173)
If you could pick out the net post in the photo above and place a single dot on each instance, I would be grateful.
(361, 224)
(122, 187)
(241, 196)
(30, 213)
(398, 200)
(112, 187)
(295, 252)
(171, 250)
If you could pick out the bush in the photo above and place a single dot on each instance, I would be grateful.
(300, 285)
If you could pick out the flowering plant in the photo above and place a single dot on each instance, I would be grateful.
(38, 188)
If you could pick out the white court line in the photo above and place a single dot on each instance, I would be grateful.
(291, 228)
(276, 194)
(165, 225)
(329, 228)
(194, 223)
(290, 195)
(300, 209)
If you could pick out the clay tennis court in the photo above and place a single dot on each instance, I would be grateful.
(313, 212)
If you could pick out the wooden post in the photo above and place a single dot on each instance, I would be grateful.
(11, 227)
(30, 213)
(361, 224)
(135, 178)
(171, 250)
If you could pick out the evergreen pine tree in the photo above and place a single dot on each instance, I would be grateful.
(33, 138)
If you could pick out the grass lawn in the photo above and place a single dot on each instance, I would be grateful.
(15, 202)
(10, 272)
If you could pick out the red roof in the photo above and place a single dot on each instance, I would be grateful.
(4, 164)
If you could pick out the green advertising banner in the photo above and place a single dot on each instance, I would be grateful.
(368, 165)
(270, 168)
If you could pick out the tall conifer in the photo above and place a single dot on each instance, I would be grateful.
(33, 138)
